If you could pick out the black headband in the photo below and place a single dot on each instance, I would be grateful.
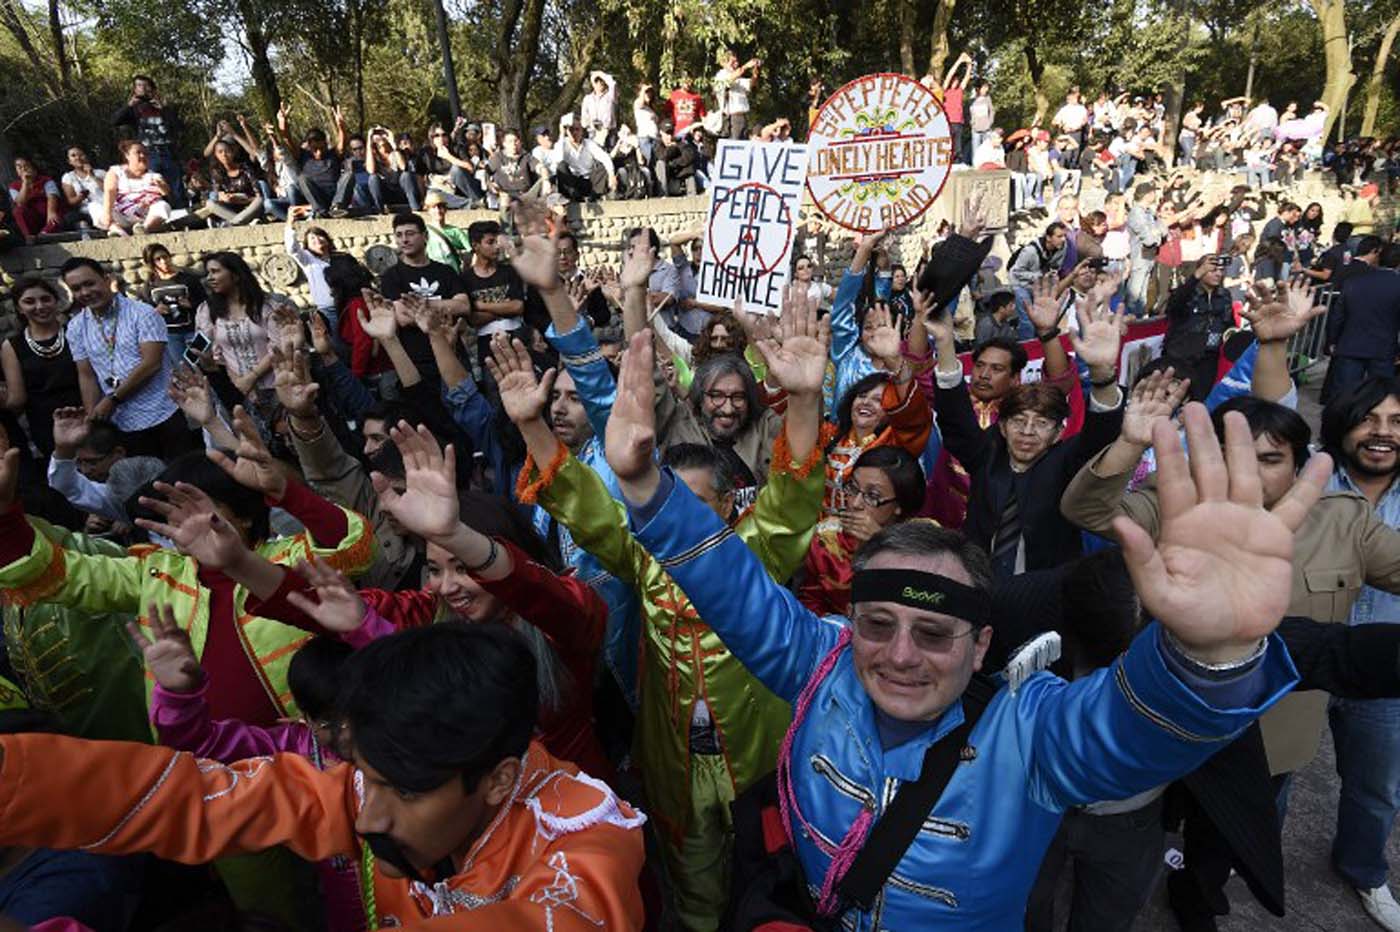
(929, 591)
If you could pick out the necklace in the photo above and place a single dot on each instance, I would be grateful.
(54, 348)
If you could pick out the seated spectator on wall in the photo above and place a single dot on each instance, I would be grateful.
(134, 196)
(82, 189)
(38, 204)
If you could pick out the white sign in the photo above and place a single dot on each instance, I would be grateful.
(881, 153)
(755, 191)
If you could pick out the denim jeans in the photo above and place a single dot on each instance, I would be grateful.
(1138, 277)
(1256, 176)
(165, 164)
(1366, 735)
(406, 193)
(276, 206)
(1025, 330)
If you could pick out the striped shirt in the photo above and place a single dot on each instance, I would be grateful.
(112, 346)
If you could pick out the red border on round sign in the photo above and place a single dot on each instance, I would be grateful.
(941, 186)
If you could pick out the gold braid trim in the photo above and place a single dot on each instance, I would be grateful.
(49, 581)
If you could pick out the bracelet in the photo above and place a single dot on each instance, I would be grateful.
(1105, 383)
(1048, 335)
(490, 558)
(1215, 668)
(320, 430)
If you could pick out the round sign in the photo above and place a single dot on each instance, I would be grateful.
(880, 153)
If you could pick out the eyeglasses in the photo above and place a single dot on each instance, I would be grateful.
(928, 637)
(871, 497)
(735, 399)
(1031, 424)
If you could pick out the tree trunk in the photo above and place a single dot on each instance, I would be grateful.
(449, 72)
(15, 19)
(906, 37)
(938, 54)
(264, 76)
(357, 38)
(1373, 89)
(517, 52)
(588, 51)
(1331, 16)
(60, 51)
(1036, 67)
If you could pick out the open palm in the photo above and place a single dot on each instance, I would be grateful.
(537, 261)
(167, 652)
(1100, 334)
(1153, 398)
(797, 358)
(879, 334)
(428, 505)
(377, 317)
(523, 396)
(252, 465)
(1221, 570)
(338, 606)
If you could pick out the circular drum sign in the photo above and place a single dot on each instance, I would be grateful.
(880, 153)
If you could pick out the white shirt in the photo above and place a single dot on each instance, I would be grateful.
(1072, 117)
(597, 111)
(988, 153)
(645, 118)
(734, 94)
(92, 184)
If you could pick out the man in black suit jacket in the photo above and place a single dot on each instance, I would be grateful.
(1364, 325)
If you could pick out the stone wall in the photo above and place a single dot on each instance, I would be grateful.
(600, 228)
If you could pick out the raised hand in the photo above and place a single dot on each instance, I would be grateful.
(1279, 314)
(190, 390)
(797, 357)
(321, 337)
(167, 652)
(1107, 286)
(377, 317)
(523, 396)
(537, 261)
(879, 335)
(974, 215)
(631, 437)
(338, 605)
(1100, 335)
(1154, 398)
(1220, 573)
(192, 523)
(636, 268)
(534, 218)
(1044, 309)
(287, 329)
(292, 382)
(428, 505)
(252, 465)
(939, 327)
(70, 429)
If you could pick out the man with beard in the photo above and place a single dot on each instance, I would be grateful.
(447, 801)
(1361, 429)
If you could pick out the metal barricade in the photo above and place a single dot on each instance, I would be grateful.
(1309, 345)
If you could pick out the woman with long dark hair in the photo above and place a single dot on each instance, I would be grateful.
(236, 317)
(40, 375)
(345, 279)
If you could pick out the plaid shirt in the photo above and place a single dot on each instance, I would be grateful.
(112, 346)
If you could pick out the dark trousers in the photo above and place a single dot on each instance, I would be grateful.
(1347, 372)
(735, 126)
(166, 440)
(578, 188)
(1116, 861)
(1197, 891)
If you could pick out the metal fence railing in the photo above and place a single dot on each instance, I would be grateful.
(1310, 344)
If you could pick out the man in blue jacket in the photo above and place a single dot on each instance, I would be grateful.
(873, 692)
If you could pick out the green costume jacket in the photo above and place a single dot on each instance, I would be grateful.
(79, 667)
(91, 583)
(682, 659)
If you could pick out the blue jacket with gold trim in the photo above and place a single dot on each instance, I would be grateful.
(1053, 745)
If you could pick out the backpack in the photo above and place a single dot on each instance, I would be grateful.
(1040, 253)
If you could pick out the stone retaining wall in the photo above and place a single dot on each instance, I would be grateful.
(600, 228)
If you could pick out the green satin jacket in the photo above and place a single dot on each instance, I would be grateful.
(682, 659)
(111, 586)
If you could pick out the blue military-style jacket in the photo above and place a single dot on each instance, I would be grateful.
(1053, 745)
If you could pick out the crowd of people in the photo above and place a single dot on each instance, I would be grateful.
(491, 588)
(247, 173)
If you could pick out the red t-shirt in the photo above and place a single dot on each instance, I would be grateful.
(687, 107)
(953, 104)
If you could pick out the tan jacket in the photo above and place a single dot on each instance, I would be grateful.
(1342, 545)
(342, 479)
(677, 422)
